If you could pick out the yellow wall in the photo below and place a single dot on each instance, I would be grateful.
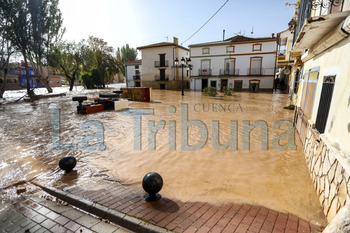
(335, 61)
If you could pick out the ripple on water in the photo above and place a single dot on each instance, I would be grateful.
(279, 180)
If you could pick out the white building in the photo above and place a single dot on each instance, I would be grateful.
(239, 62)
(158, 65)
(133, 73)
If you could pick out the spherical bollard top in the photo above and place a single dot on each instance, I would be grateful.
(67, 163)
(152, 183)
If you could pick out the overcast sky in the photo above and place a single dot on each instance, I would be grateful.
(142, 22)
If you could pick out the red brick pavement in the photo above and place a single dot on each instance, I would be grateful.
(191, 217)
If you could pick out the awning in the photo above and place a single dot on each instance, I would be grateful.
(315, 28)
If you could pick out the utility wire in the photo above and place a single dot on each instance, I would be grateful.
(206, 22)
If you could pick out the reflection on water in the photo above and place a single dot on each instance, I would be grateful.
(276, 179)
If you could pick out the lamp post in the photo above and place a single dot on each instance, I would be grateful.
(184, 63)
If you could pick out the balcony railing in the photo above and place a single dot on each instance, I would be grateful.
(304, 12)
(204, 72)
(261, 71)
(137, 77)
(229, 72)
(161, 78)
(161, 63)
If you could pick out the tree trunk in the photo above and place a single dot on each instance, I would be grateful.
(29, 91)
(3, 86)
(71, 84)
(46, 84)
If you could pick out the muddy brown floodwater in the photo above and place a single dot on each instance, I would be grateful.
(272, 178)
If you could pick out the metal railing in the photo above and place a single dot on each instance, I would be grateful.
(161, 78)
(229, 72)
(161, 63)
(304, 12)
(204, 72)
(261, 71)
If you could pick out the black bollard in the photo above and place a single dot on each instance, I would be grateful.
(67, 163)
(152, 183)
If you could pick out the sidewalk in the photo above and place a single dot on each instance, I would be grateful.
(187, 217)
(30, 214)
(123, 206)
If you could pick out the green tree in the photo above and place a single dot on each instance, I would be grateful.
(98, 54)
(46, 30)
(92, 80)
(124, 54)
(18, 29)
(34, 26)
(6, 51)
(68, 58)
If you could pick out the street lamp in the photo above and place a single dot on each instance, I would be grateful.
(184, 63)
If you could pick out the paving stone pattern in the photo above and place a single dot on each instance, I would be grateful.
(40, 215)
(189, 217)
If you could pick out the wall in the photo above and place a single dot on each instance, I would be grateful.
(242, 54)
(131, 72)
(329, 169)
(328, 154)
(150, 55)
(55, 81)
(335, 61)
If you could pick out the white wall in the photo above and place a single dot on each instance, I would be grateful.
(242, 54)
(150, 55)
(131, 72)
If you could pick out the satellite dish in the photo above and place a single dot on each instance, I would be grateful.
(286, 71)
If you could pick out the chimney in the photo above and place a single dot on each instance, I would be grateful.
(223, 34)
(176, 40)
(273, 35)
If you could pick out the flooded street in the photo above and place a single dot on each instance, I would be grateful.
(272, 178)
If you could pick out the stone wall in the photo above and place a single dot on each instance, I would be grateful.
(329, 169)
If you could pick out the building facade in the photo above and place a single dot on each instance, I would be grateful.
(240, 63)
(322, 66)
(16, 78)
(285, 62)
(158, 65)
(133, 73)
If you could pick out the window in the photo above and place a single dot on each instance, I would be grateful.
(255, 66)
(137, 66)
(325, 103)
(229, 68)
(205, 50)
(257, 47)
(230, 49)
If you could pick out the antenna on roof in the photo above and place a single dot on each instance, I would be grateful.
(167, 38)
(252, 32)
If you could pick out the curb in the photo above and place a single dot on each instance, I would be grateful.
(126, 221)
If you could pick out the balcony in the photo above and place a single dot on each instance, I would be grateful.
(161, 63)
(161, 78)
(224, 72)
(204, 72)
(137, 77)
(315, 24)
(261, 71)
